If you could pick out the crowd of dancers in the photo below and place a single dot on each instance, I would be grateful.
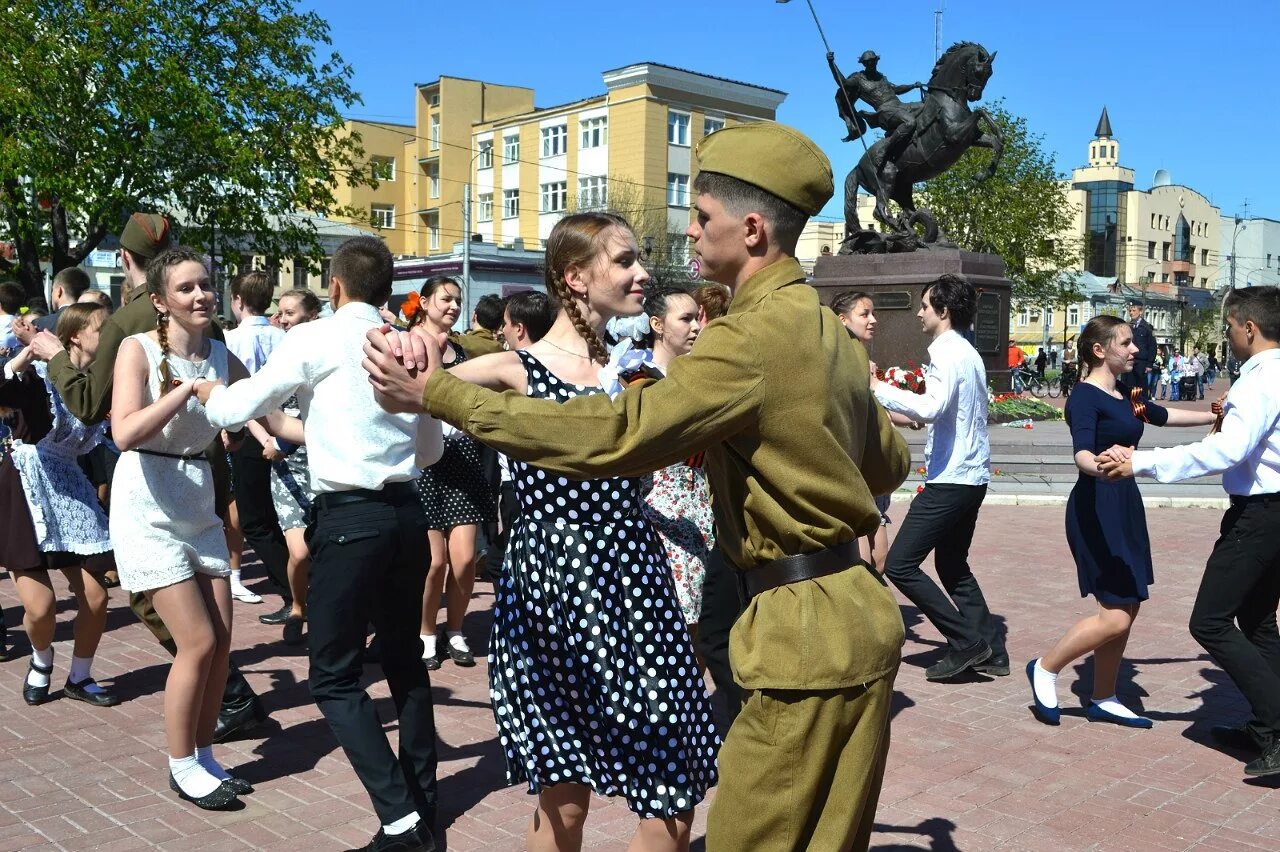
(368, 456)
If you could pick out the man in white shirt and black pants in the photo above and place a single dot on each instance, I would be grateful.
(942, 516)
(1234, 616)
(369, 551)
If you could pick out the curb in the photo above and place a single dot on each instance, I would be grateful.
(1220, 503)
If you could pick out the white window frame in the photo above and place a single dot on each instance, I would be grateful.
(677, 189)
(383, 216)
(712, 123)
(435, 133)
(555, 196)
(1073, 315)
(593, 192)
(594, 132)
(484, 207)
(484, 154)
(389, 163)
(510, 149)
(434, 99)
(555, 140)
(510, 204)
(1024, 317)
(433, 234)
(678, 127)
(433, 180)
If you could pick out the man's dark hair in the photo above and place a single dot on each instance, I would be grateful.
(740, 198)
(365, 267)
(955, 294)
(532, 309)
(1259, 305)
(74, 281)
(489, 312)
(12, 297)
(254, 289)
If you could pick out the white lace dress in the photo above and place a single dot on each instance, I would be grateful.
(163, 523)
(64, 505)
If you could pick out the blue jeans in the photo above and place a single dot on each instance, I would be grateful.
(1173, 388)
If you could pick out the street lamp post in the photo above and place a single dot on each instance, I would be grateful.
(1240, 226)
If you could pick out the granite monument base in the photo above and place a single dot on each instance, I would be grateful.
(894, 282)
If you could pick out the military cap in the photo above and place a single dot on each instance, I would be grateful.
(145, 234)
(774, 157)
(868, 56)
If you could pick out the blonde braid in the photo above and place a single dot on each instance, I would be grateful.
(162, 332)
(595, 346)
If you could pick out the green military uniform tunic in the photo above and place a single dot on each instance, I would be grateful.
(777, 393)
(476, 343)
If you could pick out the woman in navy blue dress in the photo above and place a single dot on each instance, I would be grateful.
(1106, 524)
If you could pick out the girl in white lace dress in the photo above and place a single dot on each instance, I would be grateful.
(168, 539)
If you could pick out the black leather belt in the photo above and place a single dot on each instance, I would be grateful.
(392, 492)
(793, 569)
(196, 457)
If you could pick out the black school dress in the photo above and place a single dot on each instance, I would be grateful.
(1106, 523)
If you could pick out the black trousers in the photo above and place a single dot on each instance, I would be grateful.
(941, 519)
(369, 564)
(721, 605)
(1234, 616)
(252, 475)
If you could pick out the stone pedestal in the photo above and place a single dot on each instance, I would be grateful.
(894, 281)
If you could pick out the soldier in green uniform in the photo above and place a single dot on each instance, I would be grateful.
(88, 396)
(777, 394)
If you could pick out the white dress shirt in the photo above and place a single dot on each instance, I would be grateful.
(954, 404)
(1246, 451)
(253, 340)
(351, 441)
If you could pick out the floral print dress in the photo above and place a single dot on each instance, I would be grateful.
(679, 507)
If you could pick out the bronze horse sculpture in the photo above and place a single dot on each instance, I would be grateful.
(942, 128)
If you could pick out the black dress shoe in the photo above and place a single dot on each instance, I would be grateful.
(279, 616)
(459, 656)
(955, 662)
(997, 665)
(98, 698)
(293, 629)
(1268, 763)
(221, 799)
(34, 695)
(239, 786)
(416, 839)
(233, 723)
(433, 662)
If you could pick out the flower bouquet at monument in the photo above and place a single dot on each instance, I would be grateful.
(910, 379)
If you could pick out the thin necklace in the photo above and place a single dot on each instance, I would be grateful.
(566, 351)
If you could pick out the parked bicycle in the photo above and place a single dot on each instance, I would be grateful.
(1031, 381)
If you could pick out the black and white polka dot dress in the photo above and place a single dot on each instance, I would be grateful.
(591, 669)
(455, 490)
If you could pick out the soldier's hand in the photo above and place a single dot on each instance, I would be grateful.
(831, 56)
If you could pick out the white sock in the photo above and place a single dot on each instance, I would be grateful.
(1114, 707)
(204, 754)
(428, 646)
(193, 778)
(456, 640)
(79, 673)
(43, 659)
(1045, 685)
(235, 578)
(401, 825)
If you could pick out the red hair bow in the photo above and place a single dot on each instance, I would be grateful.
(411, 305)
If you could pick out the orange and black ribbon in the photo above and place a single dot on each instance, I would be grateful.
(1138, 405)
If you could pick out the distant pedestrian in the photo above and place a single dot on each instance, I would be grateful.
(1144, 338)
(1042, 362)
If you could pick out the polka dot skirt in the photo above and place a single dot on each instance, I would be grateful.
(591, 669)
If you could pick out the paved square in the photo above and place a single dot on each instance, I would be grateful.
(970, 768)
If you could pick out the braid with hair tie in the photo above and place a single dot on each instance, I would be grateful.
(162, 332)
(595, 346)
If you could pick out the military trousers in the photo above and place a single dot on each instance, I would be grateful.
(801, 770)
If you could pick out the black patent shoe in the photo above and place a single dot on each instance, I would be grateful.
(293, 629)
(232, 723)
(239, 786)
(416, 839)
(34, 695)
(433, 662)
(459, 657)
(954, 662)
(98, 698)
(221, 799)
(277, 617)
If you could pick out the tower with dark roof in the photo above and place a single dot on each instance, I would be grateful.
(1104, 149)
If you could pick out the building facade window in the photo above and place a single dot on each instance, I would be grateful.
(484, 154)
(433, 233)
(677, 189)
(433, 180)
(300, 273)
(1106, 212)
(678, 128)
(1164, 251)
(555, 196)
(510, 149)
(383, 215)
(711, 124)
(324, 273)
(1151, 249)
(510, 203)
(484, 207)
(383, 168)
(593, 192)
(1182, 250)
(1204, 257)
(435, 133)
(595, 132)
(555, 140)
(434, 100)
(1024, 317)
(1073, 316)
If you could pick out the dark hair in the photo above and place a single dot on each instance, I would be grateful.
(714, 300)
(73, 319)
(429, 287)
(956, 295)
(12, 297)
(157, 278)
(37, 307)
(97, 297)
(844, 302)
(740, 198)
(310, 301)
(254, 289)
(657, 302)
(1101, 329)
(73, 280)
(575, 241)
(365, 268)
(1259, 305)
(489, 312)
(532, 309)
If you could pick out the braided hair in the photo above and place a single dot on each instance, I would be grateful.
(575, 241)
(157, 278)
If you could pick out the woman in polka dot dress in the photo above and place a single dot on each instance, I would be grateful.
(591, 669)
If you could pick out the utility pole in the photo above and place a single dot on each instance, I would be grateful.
(466, 251)
(1240, 225)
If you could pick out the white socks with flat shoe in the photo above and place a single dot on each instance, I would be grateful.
(428, 646)
(193, 778)
(43, 659)
(204, 754)
(1045, 684)
(1114, 707)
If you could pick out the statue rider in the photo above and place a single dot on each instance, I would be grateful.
(891, 115)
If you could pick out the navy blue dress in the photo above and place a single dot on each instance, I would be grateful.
(1106, 524)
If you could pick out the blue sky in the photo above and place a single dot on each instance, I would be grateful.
(1170, 72)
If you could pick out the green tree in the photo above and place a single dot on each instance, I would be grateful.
(665, 248)
(219, 113)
